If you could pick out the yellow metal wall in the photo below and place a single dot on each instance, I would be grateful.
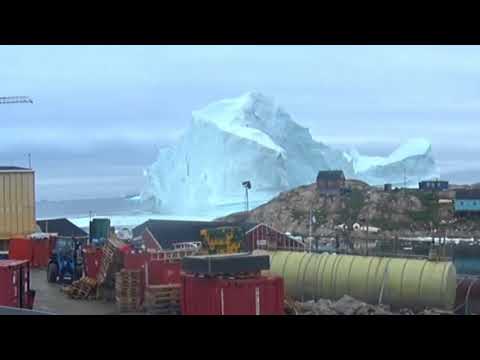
(402, 282)
(17, 203)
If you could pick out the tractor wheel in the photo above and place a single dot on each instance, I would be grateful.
(52, 272)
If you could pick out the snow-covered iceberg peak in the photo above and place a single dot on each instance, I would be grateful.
(411, 162)
(247, 116)
(413, 147)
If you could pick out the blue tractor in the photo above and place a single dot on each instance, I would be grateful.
(65, 265)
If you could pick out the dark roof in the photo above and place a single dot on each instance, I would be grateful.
(467, 194)
(6, 168)
(169, 232)
(434, 181)
(330, 175)
(63, 227)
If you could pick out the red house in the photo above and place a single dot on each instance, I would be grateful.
(263, 236)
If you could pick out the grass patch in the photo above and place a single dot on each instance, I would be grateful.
(431, 213)
(298, 215)
(354, 202)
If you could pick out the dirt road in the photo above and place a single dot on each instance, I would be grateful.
(49, 298)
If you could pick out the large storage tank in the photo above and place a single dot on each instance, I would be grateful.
(17, 203)
(395, 281)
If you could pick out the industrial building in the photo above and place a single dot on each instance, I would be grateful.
(467, 202)
(17, 203)
(433, 185)
(62, 227)
(330, 181)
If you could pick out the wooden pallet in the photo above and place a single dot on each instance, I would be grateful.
(162, 299)
(128, 290)
(82, 289)
(109, 252)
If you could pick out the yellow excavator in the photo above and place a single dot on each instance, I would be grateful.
(222, 240)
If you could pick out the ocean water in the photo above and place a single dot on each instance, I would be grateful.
(124, 212)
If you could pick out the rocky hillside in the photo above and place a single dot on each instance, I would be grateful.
(350, 306)
(397, 210)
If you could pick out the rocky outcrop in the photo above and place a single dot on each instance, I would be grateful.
(350, 306)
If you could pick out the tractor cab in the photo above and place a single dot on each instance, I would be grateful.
(65, 263)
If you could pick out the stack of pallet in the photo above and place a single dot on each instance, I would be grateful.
(129, 290)
(111, 263)
(163, 299)
(108, 256)
(82, 289)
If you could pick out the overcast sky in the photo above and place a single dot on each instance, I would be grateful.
(102, 110)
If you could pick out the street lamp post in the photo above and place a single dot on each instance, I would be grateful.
(247, 185)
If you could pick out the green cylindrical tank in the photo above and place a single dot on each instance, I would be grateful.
(394, 281)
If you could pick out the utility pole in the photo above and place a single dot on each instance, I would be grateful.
(310, 223)
(29, 160)
(368, 227)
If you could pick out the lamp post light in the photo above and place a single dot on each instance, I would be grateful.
(247, 185)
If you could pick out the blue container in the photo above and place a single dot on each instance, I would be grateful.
(467, 265)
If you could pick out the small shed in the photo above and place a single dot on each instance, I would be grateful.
(467, 202)
(329, 181)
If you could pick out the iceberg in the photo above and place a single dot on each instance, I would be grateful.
(253, 138)
(410, 163)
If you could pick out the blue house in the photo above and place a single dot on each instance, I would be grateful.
(467, 202)
(437, 185)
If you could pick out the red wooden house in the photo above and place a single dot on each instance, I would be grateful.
(266, 237)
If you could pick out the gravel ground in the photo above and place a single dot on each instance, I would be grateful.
(49, 298)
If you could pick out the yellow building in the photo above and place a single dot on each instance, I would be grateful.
(17, 203)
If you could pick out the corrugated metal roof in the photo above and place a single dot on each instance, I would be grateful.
(62, 227)
(14, 168)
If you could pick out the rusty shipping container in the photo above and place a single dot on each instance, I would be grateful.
(17, 203)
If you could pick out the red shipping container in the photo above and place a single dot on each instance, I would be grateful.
(215, 296)
(15, 284)
(35, 250)
(134, 261)
(20, 249)
(92, 258)
(160, 272)
(42, 249)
